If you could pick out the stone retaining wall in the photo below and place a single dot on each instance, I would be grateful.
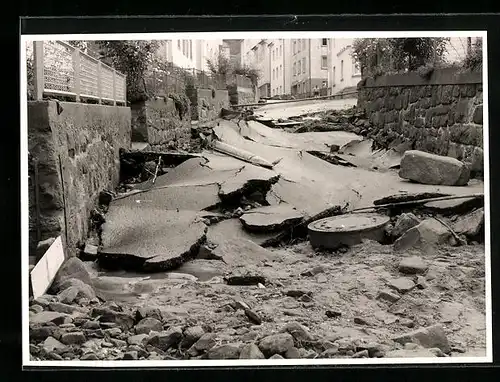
(240, 95)
(441, 114)
(77, 148)
(206, 104)
(159, 123)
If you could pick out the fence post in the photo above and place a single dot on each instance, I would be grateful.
(76, 73)
(114, 87)
(38, 69)
(99, 84)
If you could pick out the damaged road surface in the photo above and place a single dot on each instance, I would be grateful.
(150, 239)
(219, 258)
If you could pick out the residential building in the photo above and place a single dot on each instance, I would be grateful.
(189, 54)
(309, 60)
(233, 47)
(343, 71)
(280, 53)
(259, 58)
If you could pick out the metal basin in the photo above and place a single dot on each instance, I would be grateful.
(346, 230)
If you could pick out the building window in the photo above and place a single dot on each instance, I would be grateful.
(334, 75)
(294, 68)
(281, 70)
(281, 50)
(304, 44)
(342, 70)
(294, 46)
(273, 55)
(324, 62)
(298, 67)
(304, 65)
(324, 41)
(355, 69)
(191, 49)
(281, 89)
(179, 44)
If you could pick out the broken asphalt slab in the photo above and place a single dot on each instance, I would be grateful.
(150, 239)
(270, 218)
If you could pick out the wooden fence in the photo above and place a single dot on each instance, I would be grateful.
(63, 70)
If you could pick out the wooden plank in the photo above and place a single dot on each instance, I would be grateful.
(44, 272)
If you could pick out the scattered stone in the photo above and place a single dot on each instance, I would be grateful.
(251, 351)
(276, 344)
(167, 338)
(64, 308)
(113, 332)
(118, 343)
(313, 271)
(333, 314)
(332, 352)
(404, 222)
(124, 320)
(298, 332)
(248, 279)
(140, 351)
(307, 353)
(54, 317)
(297, 293)
(228, 351)
(471, 224)
(253, 317)
(321, 279)
(51, 344)
(421, 283)
(41, 333)
(407, 353)
(138, 339)
(89, 357)
(362, 321)
(292, 353)
(276, 356)
(37, 308)
(147, 325)
(375, 350)
(426, 168)
(361, 354)
(91, 325)
(131, 356)
(67, 326)
(428, 232)
(191, 335)
(430, 337)
(55, 356)
(144, 312)
(408, 322)
(413, 265)
(402, 284)
(73, 338)
(388, 295)
(207, 341)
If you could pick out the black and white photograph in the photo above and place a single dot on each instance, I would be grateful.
(255, 198)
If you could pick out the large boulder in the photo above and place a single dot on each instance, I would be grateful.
(428, 232)
(73, 268)
(426, 168)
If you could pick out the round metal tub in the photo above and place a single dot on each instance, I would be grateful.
(346, 230)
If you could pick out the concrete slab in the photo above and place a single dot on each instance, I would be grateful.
(237, 252)
(150, 239)
(270, 218)
(287, 110)
(172, 197)
(233, 229)
(46, 269)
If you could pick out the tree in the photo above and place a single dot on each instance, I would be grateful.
(132, 58)
(474, 58)
(223, 66)
(220, 65)
(377, 56)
